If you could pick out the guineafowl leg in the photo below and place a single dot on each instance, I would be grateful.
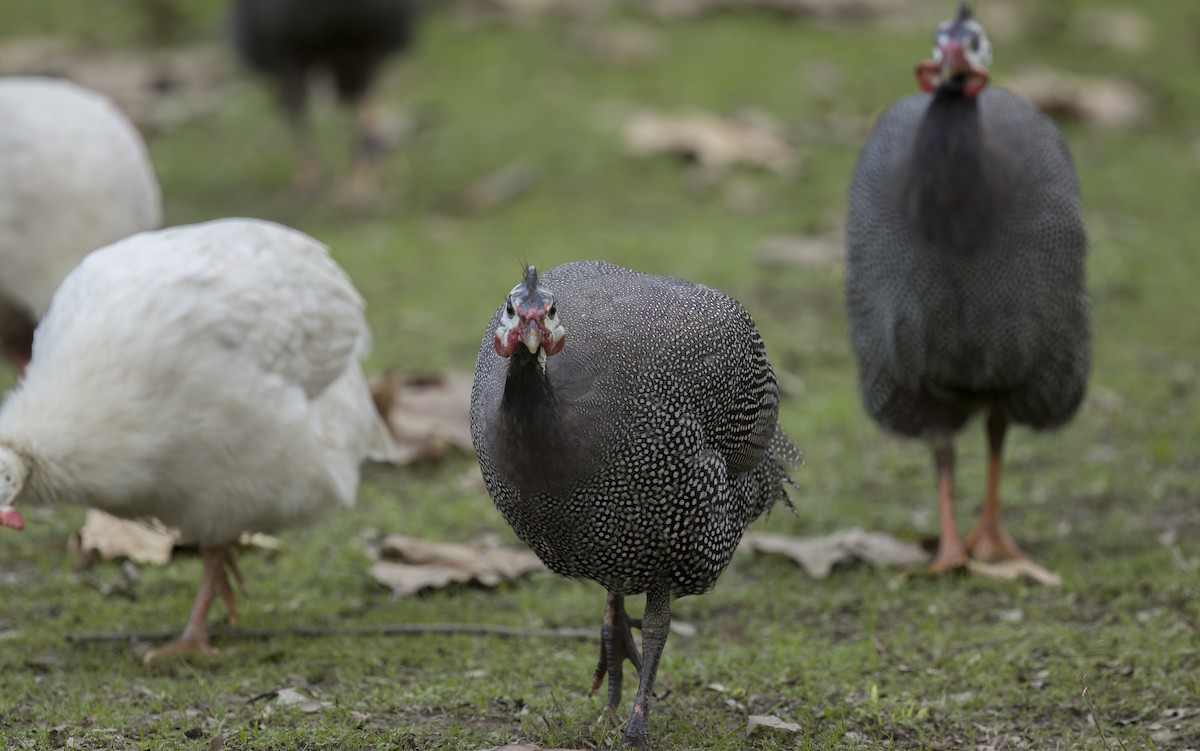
(293, 98)
(988, 539)
(194, 639)
(229, 566)
(616, 646)
(363, 185)
(951, 555)
(656, 625)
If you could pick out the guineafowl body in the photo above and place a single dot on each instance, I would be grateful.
(74, 176)
(635, 448)
(291, 40)
(965, 283)
(204, 376)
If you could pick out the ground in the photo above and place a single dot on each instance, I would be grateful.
(857, 660)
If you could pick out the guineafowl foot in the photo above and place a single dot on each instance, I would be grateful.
(616, 646)
(989, 540)
(636, 735)
(184, 645)
(948, 560)
(218, 562)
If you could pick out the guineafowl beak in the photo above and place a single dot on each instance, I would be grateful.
(11, 518)
(531, 337)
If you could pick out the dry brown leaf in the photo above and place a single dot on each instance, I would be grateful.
(771, 722)
(140, 542)
(827, 249)
(818, 555)
(525, 747)
(292, 697)
(835, 10)
(1120, 29)
(418, 565)
(427, 416)
(618, 44)
(1099, 101)
(493, 190)
(1015, 569)
(713, 143)
(157, 90)
(107, 537)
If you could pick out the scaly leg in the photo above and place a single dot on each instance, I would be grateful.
(656, 625)
(362, 187)
(988, 539)
(194, 639)
(951, 555)
(616, 646)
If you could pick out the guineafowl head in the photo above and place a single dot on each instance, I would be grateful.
(961, 56)
(530, 317)
(13, 470)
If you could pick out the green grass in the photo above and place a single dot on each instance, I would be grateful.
(943, 664)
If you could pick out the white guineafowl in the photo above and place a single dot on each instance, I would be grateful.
(74, 176)
(205, 376)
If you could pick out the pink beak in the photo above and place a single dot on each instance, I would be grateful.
(10, 517)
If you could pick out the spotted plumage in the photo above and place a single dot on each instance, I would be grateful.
(639, 453)
(965, 274)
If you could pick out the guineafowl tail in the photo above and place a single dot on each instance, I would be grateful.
(782, 456)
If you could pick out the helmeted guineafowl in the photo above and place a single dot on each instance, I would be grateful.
(965, 281)
(290, 40)
(626, 429)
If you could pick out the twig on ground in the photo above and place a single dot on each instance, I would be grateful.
(1087, 696)
(402, 629)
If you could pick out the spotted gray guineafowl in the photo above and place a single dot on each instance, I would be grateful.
(290, 40)
(965, 281)
(626, 426)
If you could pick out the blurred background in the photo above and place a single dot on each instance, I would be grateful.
(714, 140)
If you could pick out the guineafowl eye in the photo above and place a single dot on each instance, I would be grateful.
(509, 310)
(553, 311)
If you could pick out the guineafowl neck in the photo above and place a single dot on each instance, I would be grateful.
(530, 405)
(953, 196)
(532, 430)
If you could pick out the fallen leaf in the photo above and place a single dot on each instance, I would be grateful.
(293, 697)
(434, 565)
(527, 11)
(1120, 29)
(157, 90)
(493, 190)
(714, 144)
(827, 249)
(818, 555)
(1015, 569)
(1101, 101)
(427, 415)
(771, 722)
(107, 537)
(111, 538)
(836, 10)
(618, 44)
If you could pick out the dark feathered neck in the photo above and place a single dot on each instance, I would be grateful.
(530, 403)
(952, 189)
(535, 450)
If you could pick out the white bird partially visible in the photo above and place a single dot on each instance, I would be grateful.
(74, 176)
(205, 376)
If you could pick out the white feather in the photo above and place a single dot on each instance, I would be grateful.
(74, 176)
(206, 376)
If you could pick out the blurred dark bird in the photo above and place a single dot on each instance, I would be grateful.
(204, 376)
(626, 427)
(290, 40)
(74, 176)
(965, 281)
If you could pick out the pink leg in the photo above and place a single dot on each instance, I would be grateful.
(194, 639)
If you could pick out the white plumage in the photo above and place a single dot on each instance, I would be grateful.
(206, 376)
(74, 176)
